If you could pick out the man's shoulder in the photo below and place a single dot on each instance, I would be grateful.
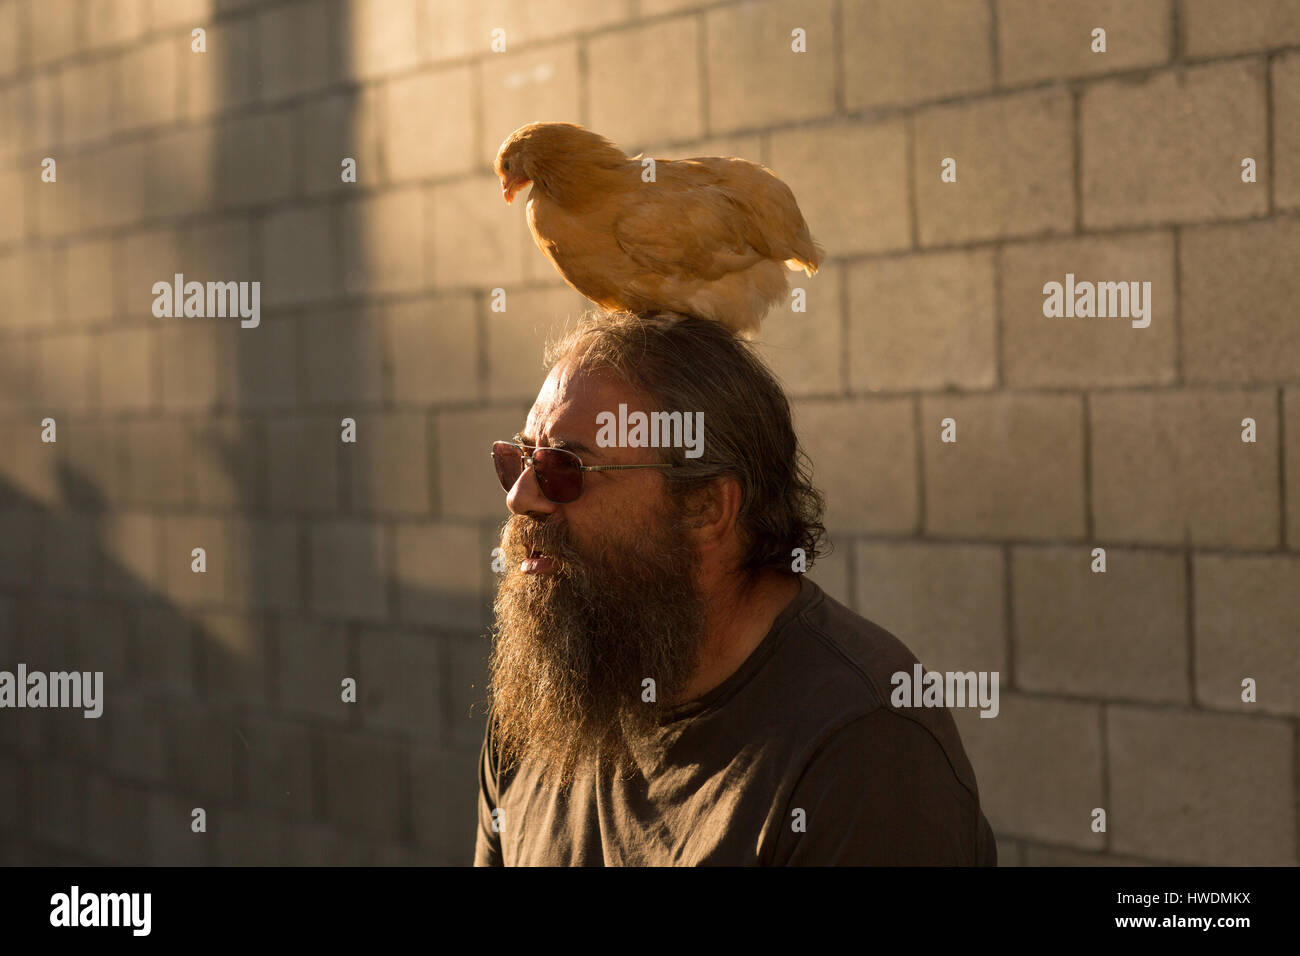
(833, 667)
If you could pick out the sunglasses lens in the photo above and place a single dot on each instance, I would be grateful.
(509, 462)
(559, 474)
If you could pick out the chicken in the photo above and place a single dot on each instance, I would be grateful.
(706, 237)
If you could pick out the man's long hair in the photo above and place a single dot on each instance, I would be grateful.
(690, 365)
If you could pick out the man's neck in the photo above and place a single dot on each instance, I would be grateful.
(737, 621)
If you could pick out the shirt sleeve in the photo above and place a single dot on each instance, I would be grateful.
(487, 846)
(881, 792)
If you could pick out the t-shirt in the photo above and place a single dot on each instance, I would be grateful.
(798, 758)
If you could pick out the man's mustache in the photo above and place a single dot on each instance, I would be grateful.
(523, 536)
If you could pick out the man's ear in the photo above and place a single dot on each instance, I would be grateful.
(714, 510)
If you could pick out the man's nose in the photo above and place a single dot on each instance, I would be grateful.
(526, 497)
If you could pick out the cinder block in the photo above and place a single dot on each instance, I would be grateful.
(1014, 166)
(419, 335)
(93, 467)
(172, 841)
(1039, 768)
(540, 84)
(146, 257)
(349, 569)
(1171, 468)
(55, 791)
(755, 76)
(923, 322)
(20, 371)
(338, 126)
(1038, 44)
(1015, 470)
(203, 744)
(383, 36)
(132, 560)
(467, 484)
(279, 764)
(456, 30)
(1215, 789)
(383, 242)
(871, 493)
(517, 337)
(640, 109)
(165, 651)
(250, 838)
(117, 824)
(399, 687)
(267, 567)
(136, 743)
(909, 52)
(804, 349)
(1238, 289)
(1169, 149)
(15, 187)
(13, 54)
(303, 464)
(66, 363)
(31, 114)
(233, 650)
(181, 535)
(226, 461)
(220, 80)
(117, 188)
(365, 782)
(944, 601)
(147, 89)
(52, 35)
(27, 284)
(431, 124)
(389, 465)
(159, 462)
(175, 13)
(111, 23)
(474, 240)
(344, 358)
(298, 255)
(312, 663)
(1220, 26)
(1286, 132)
(259, 366)
(440, 574)
(1118, 634)
(1038, 351)
(1291, 415)
(444, 801)
(1246, 626)
(125, 360)
(465, 689)
(818, 163)
(299, 48)
(30, 466)
(88, 276)
(187, 350)
(255, 159)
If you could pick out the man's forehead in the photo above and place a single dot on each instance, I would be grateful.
(569, 402)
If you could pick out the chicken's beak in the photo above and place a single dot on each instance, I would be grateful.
(511, 186)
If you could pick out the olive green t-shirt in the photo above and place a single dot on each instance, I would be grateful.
(798, 758)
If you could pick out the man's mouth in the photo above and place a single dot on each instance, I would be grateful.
(538, 562)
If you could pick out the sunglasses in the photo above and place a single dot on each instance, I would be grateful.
(558, 471)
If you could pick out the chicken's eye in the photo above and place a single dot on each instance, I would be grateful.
(506, 165)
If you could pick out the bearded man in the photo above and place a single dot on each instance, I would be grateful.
(664, 688)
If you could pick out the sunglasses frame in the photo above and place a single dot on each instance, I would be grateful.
(529, 460)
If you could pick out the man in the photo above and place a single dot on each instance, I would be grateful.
(665, 689)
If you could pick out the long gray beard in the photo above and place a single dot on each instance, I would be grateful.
(573, 649)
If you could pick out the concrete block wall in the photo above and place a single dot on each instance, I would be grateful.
(371, 560)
